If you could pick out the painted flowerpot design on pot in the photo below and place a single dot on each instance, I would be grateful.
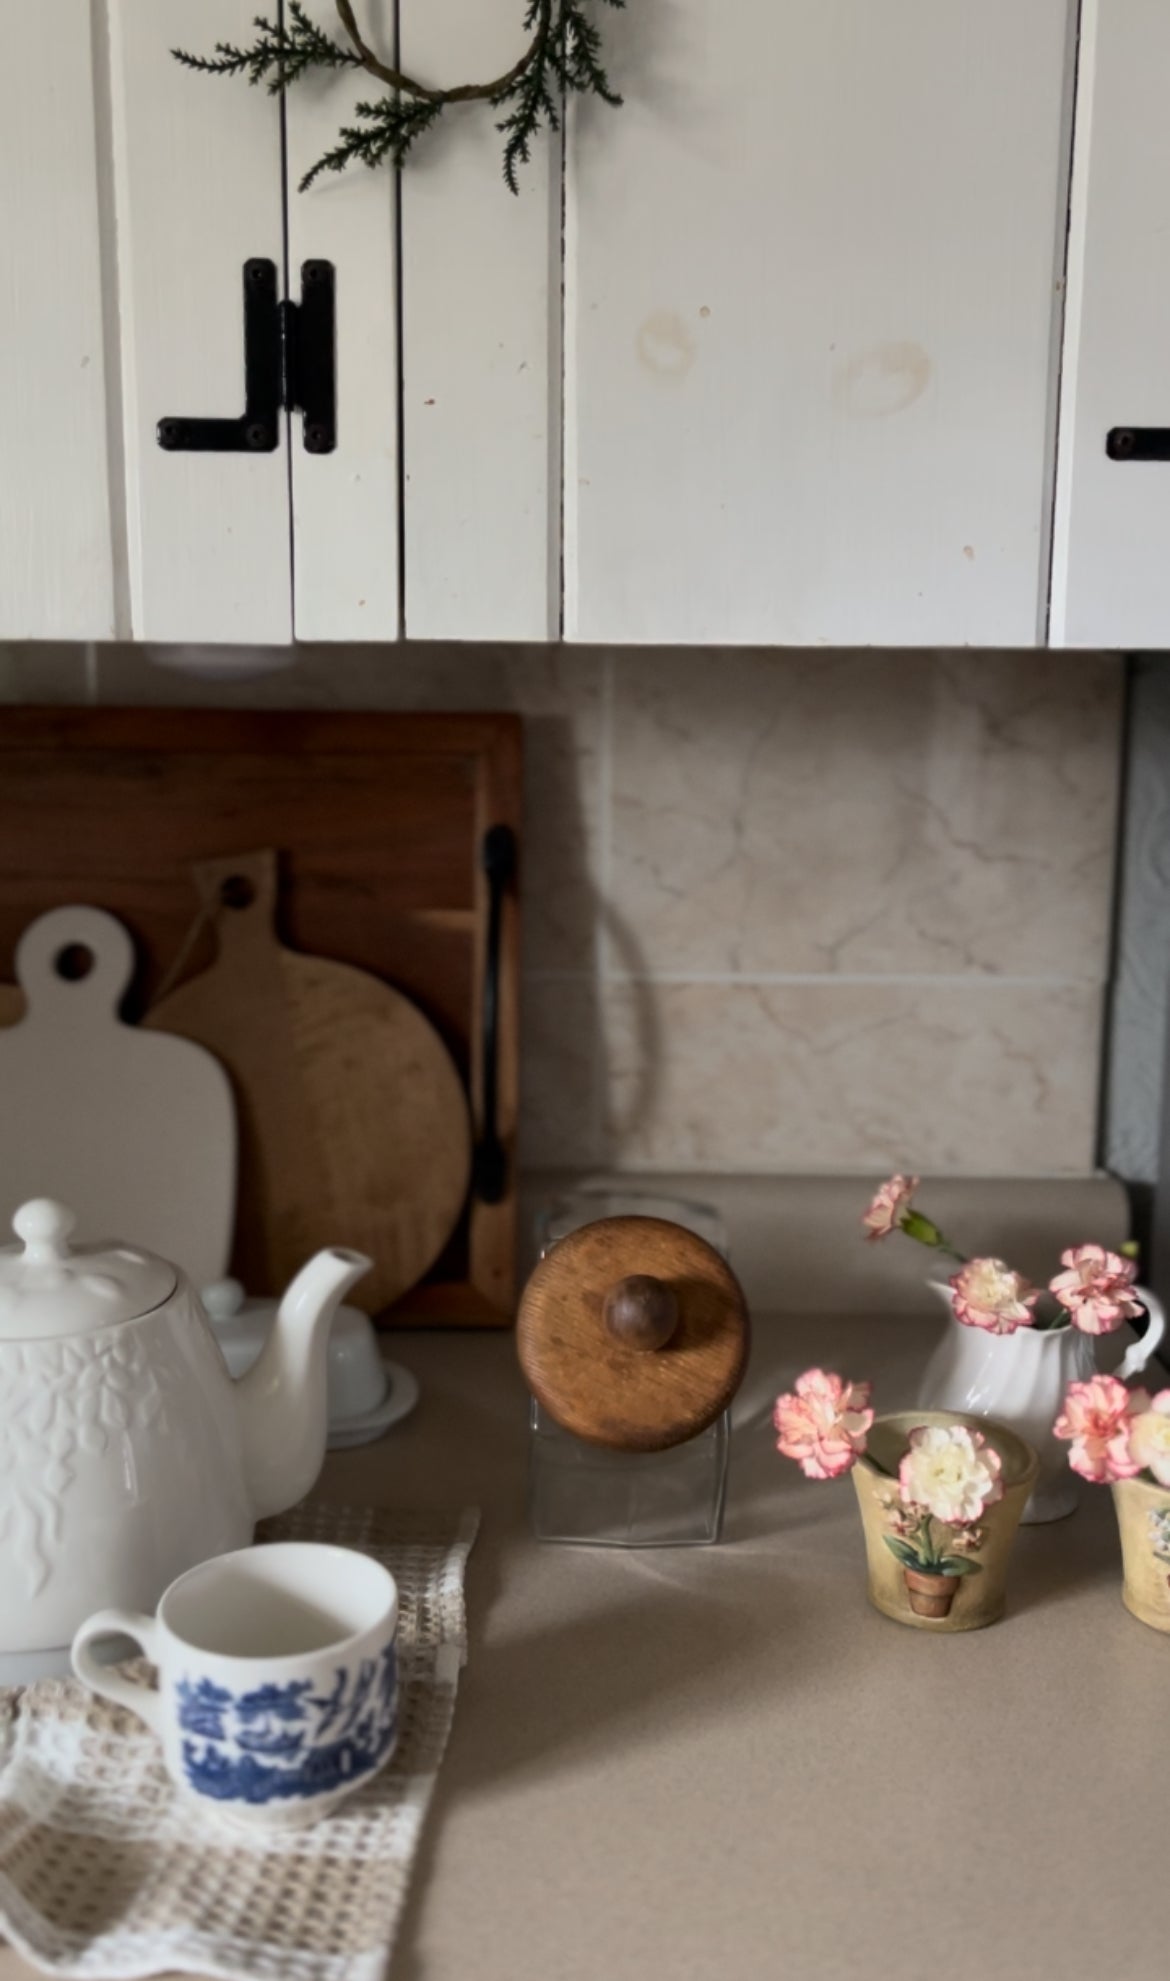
(940, 1496)
(947, 1479)
(1121, 1438)
(1158, 1522)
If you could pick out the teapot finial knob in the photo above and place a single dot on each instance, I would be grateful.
(45, 1227)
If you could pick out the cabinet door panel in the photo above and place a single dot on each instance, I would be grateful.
(1111, 560)
(811, 275)
(345, 504)
(198, 187)
(56, 567)
(481, 354)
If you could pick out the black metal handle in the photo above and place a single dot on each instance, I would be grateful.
(1138, 443)
(490, 1168)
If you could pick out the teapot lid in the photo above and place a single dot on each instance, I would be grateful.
(50, 1288)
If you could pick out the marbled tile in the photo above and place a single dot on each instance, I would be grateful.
(979, 1079)
(560, 1125)
(557, 690)
(45, 672)
(890, 813)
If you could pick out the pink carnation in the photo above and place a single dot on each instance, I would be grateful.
(1149, 1437)
(1096, 1419)
(890, 1201)
(823, 1425)
(1095, 1289)
(987, 1294)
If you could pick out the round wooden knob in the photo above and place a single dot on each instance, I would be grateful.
(641, 1311)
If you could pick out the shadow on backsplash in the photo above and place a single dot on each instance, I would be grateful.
(784, 911)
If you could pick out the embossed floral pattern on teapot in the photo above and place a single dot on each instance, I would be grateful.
(127, 1453)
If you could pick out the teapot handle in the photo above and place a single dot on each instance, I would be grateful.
(108, 1681)
(1139, 1354)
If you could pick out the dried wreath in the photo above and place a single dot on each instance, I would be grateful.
(563, 56)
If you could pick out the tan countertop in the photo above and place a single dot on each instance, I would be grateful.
(720, 1761)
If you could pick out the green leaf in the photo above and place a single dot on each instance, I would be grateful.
(959, 1565)
(902, 1551)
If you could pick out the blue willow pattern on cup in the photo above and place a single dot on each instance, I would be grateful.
(282, 1741)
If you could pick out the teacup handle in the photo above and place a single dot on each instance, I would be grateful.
(104, 1679)
(1137, 1356)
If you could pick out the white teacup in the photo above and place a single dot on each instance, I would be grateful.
(278, 1678)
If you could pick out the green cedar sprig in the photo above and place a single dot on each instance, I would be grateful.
(563, 57)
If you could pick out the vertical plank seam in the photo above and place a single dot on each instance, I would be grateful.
(111, 313)
(1063, 328)
(287, 292)
(1070, 348)
(557, 369)
(399, 334)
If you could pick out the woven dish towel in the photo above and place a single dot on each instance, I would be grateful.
(105, 1871)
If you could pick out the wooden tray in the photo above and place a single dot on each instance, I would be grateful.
(380, 821)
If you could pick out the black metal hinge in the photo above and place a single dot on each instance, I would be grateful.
(288, 366)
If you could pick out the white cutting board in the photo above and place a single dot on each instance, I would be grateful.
(134, 1130)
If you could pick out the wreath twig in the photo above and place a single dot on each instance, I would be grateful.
(563, 55)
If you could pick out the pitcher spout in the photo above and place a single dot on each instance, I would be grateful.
(283, 1398)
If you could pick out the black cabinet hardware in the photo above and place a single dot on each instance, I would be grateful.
(288, 366)
(490, 1169)
(1138, 443)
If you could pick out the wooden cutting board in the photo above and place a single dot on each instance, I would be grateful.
(382, 819)
(135, 1134)
(354, 1126)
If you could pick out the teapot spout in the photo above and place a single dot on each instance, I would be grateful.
(282, 1399)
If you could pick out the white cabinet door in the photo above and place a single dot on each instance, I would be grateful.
(1111, 562)
(56, 557)
(811, 285)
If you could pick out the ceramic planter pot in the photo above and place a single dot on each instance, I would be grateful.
(1020, 1380)
(969, 1592)
(1143, 1516)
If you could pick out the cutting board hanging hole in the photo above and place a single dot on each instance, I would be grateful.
(74, 963)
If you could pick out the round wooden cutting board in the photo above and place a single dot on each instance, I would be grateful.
(354, 1126)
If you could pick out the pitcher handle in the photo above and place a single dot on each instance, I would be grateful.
(1139, 1354)
(109, 1682)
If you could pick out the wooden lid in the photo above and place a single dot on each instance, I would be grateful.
(633, 1333)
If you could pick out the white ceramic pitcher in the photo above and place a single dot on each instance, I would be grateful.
(1020, 1380)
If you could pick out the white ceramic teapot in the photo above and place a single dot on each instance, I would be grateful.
(127, 1453)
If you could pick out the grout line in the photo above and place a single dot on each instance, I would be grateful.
(747, 978)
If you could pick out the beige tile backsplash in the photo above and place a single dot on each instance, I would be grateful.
(784, 911)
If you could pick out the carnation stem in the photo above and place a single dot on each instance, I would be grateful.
(925, 1232)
